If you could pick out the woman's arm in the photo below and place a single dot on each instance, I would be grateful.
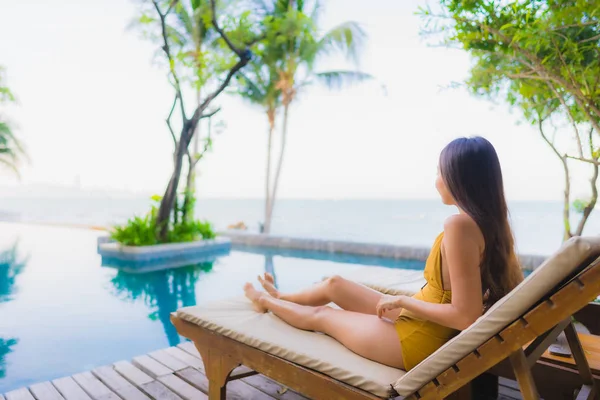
(463, 246)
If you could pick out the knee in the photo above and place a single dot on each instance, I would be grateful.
(334, 281)
(319, 313)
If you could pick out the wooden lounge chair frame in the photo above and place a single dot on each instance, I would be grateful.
(522, 341)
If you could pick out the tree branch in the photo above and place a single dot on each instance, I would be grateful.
(197, 114)
(571, 118)
(592, 203)
(167, 51)
(213, 9)
(244, 57)
(207, 145)
(168, 121)
(586, 160)
(580, 25)
(567, 192)
(190, 159)
(526, 76)
(591, 39)
(210, 114)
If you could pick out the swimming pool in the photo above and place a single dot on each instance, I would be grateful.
(61, 312)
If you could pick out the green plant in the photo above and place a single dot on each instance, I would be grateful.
(143, 231)
(542, 57)
(204, 46)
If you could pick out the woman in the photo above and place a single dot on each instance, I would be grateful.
(472, 264)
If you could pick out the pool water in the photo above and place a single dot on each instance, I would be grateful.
(61, 312)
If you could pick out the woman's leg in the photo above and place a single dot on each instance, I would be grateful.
(366, 335)
(348, 295)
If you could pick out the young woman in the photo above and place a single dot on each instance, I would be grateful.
(472, 264)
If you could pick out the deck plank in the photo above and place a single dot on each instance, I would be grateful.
(168, 360)
(236, 390)
(132, 373)
(19, 394)
(151, 366)
(147, 384)
(196, 379)
(272, 388)
(118, 384)
(69, 389)
(189, 348)
(45, 391)
(185, 357)
(181, 387)
(93, 387)
(157, 390)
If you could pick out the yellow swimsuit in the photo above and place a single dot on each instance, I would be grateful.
(419, 337)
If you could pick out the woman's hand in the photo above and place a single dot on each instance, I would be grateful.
(388, 303)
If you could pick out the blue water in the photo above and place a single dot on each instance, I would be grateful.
(61, 312)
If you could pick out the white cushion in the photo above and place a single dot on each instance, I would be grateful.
(388, 280)
(235, 318)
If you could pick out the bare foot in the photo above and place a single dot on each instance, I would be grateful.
(254, 296)
(268, 283)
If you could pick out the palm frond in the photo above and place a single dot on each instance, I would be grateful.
(5, 94)
(11, 149)
(184, 18)
(250, 90)
(347, 38)
(338, 79)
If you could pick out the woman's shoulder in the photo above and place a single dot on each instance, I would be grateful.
(462, 226)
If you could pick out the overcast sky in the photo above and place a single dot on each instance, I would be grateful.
(92, 108)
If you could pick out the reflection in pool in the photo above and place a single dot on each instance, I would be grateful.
(162, 292)
(61, 312)
(10, 267)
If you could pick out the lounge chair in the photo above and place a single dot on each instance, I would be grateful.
(229, 333)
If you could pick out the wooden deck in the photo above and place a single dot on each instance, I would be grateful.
(174, 373)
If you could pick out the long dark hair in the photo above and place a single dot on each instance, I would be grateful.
(471, 171)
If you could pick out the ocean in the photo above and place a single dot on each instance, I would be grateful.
(537, 225)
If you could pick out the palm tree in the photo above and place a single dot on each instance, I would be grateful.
(292, 51)
(11, 149)
(259, 86)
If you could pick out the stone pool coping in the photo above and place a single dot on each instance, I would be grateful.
(143, 259)
(528, 262)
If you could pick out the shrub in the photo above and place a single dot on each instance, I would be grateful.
(142, 231)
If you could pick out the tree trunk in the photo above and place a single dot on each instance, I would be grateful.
(567, 192)
(190, 186)
(590, 206)
(168, 201)
(189, 190)
(279, 166)
(566, 200)
(267, 225)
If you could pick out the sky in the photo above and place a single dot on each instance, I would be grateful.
(92, 106)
